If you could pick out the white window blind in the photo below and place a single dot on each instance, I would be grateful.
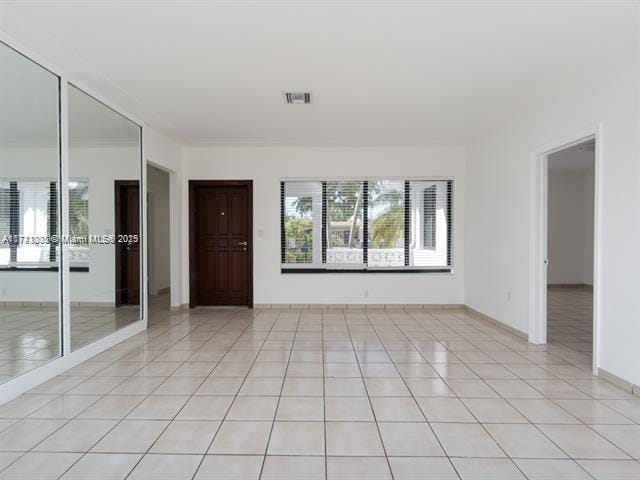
(431, 223)
(384, 224)
(37, 207)
(5, 223)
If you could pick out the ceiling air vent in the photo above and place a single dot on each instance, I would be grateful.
(297, 97)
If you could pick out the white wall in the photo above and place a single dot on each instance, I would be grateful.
(266, 166)
(165, 152)
(101, 165)
(570, 225)
(498, 208)
(159, 231)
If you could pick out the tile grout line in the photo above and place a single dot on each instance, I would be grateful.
(409, 389)
(460, 399)
(366, 389)
(284, 379)
(119, 421)
(249, 324)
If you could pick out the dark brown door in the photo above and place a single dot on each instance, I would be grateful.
(221, 234)
(127, 237)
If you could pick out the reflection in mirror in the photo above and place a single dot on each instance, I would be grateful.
(104, 219)
(29, 217)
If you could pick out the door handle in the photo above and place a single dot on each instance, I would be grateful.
(243, 244)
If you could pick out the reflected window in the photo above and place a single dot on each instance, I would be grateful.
(29, 224)
(29, 203)
(79, 223)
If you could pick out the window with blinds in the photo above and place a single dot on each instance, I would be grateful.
(29, 223)
(431, 223)
(344, 205)
(366, 225)
(301, 220)
(386, 224)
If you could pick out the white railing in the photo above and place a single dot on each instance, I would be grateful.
(376, 257)
(79, 254)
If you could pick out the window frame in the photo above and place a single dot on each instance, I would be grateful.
(287, 268)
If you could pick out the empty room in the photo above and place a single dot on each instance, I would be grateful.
(319, 240)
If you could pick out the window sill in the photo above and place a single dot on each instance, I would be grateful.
(41, 269)
(372, 270)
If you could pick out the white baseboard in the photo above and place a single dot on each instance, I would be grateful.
(619, 382)
(184, 306)
(357, 306)
(497, 323)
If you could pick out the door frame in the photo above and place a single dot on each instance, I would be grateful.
(193, 251)
(117, 185)
(538, 261)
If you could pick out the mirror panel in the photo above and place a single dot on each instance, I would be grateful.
(104, 218)
(29, 214)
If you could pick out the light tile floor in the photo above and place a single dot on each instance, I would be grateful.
(570, 320)
(334, 394)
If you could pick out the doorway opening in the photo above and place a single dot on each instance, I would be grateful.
(220, 243)
(565, 252)
(158, 239)
(570, 227)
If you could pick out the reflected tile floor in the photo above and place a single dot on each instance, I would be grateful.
(29, 335)
(328, 394)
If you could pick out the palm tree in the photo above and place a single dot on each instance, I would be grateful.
(386, 227)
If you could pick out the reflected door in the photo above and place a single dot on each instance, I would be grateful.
(221, 232)
(127, 237)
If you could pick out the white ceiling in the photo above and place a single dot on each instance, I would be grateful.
(380, 72)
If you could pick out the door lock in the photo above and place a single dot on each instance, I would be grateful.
(244, 244)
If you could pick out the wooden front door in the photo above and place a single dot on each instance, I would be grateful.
(127, 238)
(220, 243)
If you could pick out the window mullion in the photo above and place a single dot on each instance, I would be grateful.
(283, 246)
(365, 223)
(449, 222)
(14, 222)
(53, 220)
(407, 224)
(324, 217)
